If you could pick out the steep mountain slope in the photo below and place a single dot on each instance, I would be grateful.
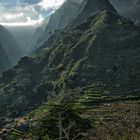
(94, 52)
(10, 45)
(128, 8)
(87, 8)
(61, 18)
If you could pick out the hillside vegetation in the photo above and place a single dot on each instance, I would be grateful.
(85, 78)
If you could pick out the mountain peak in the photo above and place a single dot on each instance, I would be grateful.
(99, 5)
(93, 7)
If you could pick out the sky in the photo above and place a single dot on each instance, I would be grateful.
(26, 12)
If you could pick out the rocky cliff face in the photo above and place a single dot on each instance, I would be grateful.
(61, 18)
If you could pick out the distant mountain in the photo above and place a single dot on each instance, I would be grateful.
(61, 18)
(35, 38)
(4, 60)
(10, 45)
(128, 8)
(24, 36)
(10, 50)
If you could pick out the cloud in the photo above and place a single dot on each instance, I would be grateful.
(11, 17)
(29, 22)
(20, 15)
(26, 12)
(45, 4)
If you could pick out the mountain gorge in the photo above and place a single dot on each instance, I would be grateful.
(93, 61)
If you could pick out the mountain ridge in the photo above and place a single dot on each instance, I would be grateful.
(80, 59)
(93, 7)
(57, 20)
(95, 62)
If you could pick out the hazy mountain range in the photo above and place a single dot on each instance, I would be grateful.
(10, 49)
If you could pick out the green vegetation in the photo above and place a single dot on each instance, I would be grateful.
(47, 122)
(92, 72)
(113, 120)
